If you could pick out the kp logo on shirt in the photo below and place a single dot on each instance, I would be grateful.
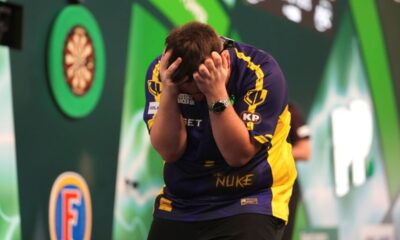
(70, 208)
(251, 117)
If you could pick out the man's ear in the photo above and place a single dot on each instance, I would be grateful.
(227, 58)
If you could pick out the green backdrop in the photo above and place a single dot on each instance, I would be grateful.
(109, 146)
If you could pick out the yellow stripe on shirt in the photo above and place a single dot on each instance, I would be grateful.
(256, 96)
(261, 139)
(283, 167)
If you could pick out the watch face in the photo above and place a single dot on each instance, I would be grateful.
(219, 107)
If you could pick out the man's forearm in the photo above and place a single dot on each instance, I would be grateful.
(168, 133)
(233, 138)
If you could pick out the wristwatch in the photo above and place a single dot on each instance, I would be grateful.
(219, 105)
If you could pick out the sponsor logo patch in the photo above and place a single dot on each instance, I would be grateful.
(248, 201)
(251, 117)
(185, 99)
(153, 107)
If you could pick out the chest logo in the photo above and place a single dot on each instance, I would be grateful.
(255, 97)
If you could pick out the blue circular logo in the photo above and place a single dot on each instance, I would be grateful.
(70, 208)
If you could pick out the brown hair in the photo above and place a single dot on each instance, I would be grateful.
(193, 42)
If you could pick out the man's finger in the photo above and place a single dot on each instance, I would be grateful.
(172, 68)
(203, 71)
(217, 59)
(209, 62)
(164, 60)
(196, 76)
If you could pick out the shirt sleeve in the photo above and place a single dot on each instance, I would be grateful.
(153, 92)
(263, 100)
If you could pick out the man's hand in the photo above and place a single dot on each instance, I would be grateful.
(212, 76)
(166, 72)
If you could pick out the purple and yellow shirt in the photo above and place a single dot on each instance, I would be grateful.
(201, 185)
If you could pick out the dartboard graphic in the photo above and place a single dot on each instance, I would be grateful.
(79, 61)
(76, 61)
